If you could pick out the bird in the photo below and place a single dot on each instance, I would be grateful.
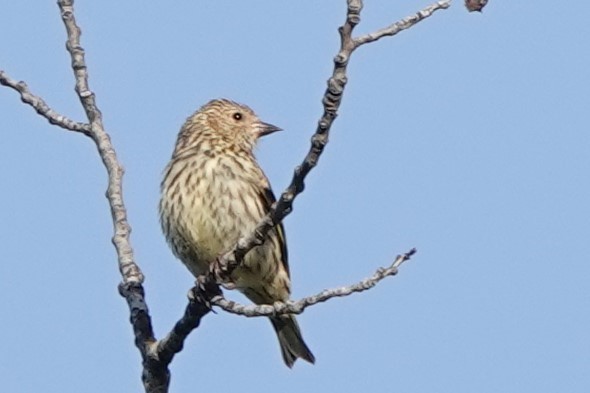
(214, 192)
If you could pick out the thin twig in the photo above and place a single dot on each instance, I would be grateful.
(403, 24)
(41, 107)
(297, 307)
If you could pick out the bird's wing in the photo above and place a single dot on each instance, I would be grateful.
(268, 198)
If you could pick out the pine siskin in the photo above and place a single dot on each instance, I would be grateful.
(213, 193)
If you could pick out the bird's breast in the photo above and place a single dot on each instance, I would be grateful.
(207, 204)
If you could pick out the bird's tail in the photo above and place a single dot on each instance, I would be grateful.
(292, 344)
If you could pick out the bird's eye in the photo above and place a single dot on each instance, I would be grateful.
(237, 116)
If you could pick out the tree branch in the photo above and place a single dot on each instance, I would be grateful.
(199, 305)
(41, 107)
(403, 24)
(129, 270)
(156, 376)
(297, 307)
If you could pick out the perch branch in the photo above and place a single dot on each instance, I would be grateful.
(199, 305)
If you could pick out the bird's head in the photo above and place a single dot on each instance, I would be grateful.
(226, 123)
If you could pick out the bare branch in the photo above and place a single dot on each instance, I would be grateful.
(156, 376)
(134, 293)
(129, 270)
(297, 307)
(41, 107)
(157, 355)
(199, 306)
(403, 24)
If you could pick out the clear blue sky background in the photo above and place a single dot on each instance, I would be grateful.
(467, 137)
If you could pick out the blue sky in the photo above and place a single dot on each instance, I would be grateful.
(467, 137)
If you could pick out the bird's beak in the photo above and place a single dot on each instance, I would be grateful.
(266, 129)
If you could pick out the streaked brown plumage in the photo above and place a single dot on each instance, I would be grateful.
(213, 193)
